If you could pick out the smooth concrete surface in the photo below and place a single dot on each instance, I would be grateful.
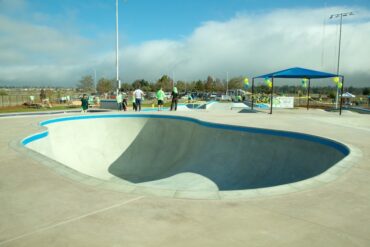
(239, 106)
(42, 207)
(183, 154)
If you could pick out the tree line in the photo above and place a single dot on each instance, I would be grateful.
(210, 85)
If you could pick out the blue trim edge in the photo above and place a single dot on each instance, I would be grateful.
(287, 134)
(32, 138)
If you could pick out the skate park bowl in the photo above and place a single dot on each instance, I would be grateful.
(175, 154)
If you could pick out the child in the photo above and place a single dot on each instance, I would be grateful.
(84, 103)
(134, 108)
(160, 98)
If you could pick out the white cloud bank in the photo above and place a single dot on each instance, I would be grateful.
(248, 44)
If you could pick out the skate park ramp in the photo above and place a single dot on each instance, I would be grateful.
(177, 152)
(216, 107)
(228, 106)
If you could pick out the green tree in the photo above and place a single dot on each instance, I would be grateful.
(42, 94)
(219, 86)
(164, 82)
(126, 86)
(59, 93)
(199, 86)
(86, 84)
(105, 85)
(181, 86)
(236, 83)
(264, 89)
(49, 94)
(366, 91)
(209, 85)
(332, 95)
(191, 86)
(141, 83)
(153, 87)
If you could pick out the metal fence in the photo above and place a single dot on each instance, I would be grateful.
(13, 100)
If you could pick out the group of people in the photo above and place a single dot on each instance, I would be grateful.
(161, 95)
(138, 97)
(121, 102)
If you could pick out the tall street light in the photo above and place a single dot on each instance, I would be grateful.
(340, 15)
(94, 80)
(117, 62)
(227, 83)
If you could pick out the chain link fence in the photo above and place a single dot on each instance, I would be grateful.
(13, 100)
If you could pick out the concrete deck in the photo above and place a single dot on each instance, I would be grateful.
(40, 207)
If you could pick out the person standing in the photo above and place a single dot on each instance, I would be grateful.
(42, 95)
(175, 96)
(239, 98)
(139, 95)
(84, 103)
(160, 98)
(124, 101)
(119, 99)
(190, 98)
(134, 108)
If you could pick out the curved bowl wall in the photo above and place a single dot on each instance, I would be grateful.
(144, 148)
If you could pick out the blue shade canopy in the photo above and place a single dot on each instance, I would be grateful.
(298, 73)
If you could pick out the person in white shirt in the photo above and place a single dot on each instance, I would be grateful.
(139, 95)
(119, 99)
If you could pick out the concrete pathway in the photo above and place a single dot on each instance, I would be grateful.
(40, 207)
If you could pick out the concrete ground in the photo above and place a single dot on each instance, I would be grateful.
(40, 207)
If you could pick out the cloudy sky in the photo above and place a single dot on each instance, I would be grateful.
(55, 43)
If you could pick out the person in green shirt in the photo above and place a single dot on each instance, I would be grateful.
(160, 98)
(84, 103)
(134, 108)
(119, 99)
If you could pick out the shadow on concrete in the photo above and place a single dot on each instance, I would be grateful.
(233, 160)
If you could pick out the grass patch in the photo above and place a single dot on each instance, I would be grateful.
(22, 108)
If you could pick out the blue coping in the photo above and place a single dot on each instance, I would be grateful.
(287, 134)
(34, 138)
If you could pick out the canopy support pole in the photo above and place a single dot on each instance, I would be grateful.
(341, 97)
(308, 93)
(252, 92)
(272, 92)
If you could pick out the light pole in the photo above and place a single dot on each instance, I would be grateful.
(173, 79)
(117, 62)
(94, 80)
(340, 15)
(227, 83)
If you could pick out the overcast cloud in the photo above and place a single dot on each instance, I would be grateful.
(247, 45)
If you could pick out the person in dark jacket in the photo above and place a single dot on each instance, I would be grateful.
(175, 96)
(84, 103)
